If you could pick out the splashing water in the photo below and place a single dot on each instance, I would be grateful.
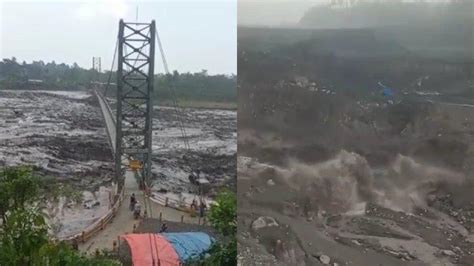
(346, 183)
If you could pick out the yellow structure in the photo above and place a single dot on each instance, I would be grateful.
(134, 165)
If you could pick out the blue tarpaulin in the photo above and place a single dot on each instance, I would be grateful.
(386, 90)
(190, 244)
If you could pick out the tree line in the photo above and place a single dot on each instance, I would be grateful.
(198, 86)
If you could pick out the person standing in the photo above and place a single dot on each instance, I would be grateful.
(133, 201)
(75, 244)
(202, 208)
(137, 210)
(164, 228)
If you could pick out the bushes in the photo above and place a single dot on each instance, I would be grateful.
(24, 236)
(223, 217)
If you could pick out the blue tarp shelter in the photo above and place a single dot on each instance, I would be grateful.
(189, 244)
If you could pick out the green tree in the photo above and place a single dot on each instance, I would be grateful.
(24, 233)
(223, 217)
(24, 236)
(19, 189)
(186, 86)
(223, 214)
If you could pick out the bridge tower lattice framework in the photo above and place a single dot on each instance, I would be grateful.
(135, 79)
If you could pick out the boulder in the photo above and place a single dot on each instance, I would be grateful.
(262, 222)
(324, 259)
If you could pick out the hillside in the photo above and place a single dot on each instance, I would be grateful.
(446, 28)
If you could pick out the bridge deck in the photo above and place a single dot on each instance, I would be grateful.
(123, 222)
(108, 118)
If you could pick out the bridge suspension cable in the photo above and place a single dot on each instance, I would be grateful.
(174, 98)
(111, 69)
(129, 68)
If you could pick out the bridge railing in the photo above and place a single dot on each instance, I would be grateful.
(109, 111)
(168, 202)
(98, 225)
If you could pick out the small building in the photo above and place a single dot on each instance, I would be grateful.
(34, 84)
(35, 81)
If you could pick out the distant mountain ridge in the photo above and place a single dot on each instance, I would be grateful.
(380, 14)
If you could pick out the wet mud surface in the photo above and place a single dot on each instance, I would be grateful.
(62, 135)
(212, 138)
(405, 201)
(211, 147)
(333, 172)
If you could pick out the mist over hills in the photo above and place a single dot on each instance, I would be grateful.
(364, 14)
(440, 30)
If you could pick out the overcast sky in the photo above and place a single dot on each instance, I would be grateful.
(274, 12)
(196, 34)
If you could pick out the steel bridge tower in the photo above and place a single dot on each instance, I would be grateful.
(96, 64)
(135, 77)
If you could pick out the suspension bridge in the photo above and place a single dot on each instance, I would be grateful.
(129, 130)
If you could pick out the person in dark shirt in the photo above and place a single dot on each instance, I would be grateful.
(164, 228)
(194, 205)
(133, 201)
(75, 244)
(202, 208)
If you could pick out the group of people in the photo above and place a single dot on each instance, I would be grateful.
(136, 208)
(202, 207)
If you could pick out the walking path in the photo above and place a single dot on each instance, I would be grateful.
(123, 221)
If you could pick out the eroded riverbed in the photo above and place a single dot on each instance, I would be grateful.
(62, 135)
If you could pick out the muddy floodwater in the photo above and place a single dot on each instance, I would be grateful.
(62, 136)
(212, 138)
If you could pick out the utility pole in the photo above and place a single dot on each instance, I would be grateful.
(135, 78)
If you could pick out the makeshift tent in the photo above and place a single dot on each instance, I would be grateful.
(167, 249)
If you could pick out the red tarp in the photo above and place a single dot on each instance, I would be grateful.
(151, 250)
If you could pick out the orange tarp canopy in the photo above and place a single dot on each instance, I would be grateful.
(151, 250)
